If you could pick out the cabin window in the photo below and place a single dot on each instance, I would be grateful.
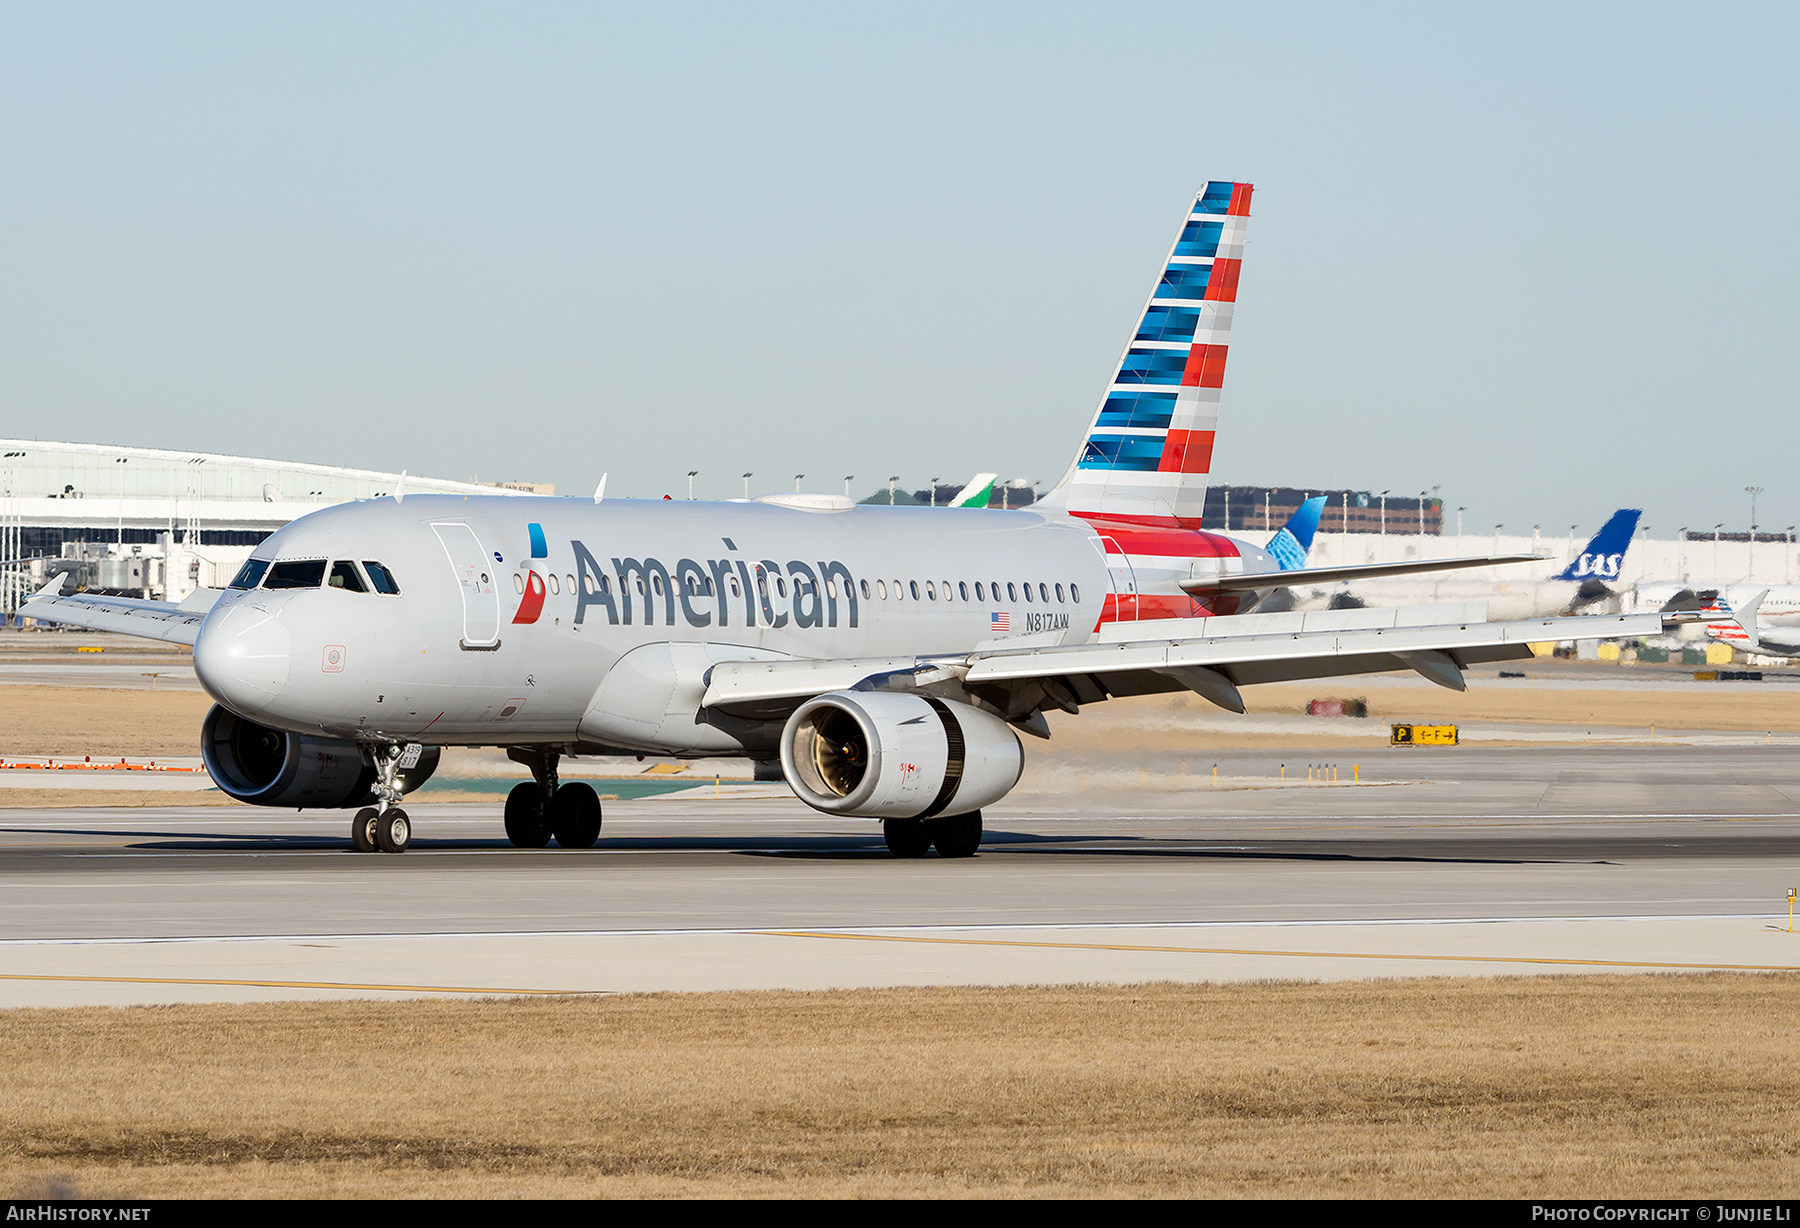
(914, 585)
(1012, 592)
(899, 591)
(587, 583)
(930, 590)
(656, 583)
(518, 582)
(736, 588)
(1059, 595)
(1028, 590)
(865, 589)
(831, 589)
(553, 589)
(250, 573)
(946, 590)
(1075, 594)
(781, 586)
(309, 574)
(979, 595)
(1044, 592)
(880, 587)
(962, 589)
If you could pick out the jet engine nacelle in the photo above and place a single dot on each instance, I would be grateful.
(271, 767)
(888, 755)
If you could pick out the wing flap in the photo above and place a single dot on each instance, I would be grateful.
(1144, 665)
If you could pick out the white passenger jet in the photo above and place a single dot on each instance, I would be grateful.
(884, 658)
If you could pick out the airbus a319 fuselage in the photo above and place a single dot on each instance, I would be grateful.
(560, 622)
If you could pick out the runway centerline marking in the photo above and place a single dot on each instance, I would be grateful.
(1453, 959)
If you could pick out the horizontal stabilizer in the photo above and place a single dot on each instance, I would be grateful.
(1264, 580)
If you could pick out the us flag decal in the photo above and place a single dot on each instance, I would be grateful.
(999, 622)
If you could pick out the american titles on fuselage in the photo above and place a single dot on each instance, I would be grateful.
(633, 590)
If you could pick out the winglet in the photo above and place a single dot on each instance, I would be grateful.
(600, 490)
(1745, 617)
(54, 588)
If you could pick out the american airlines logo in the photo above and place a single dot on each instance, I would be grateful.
(1600, 566)
(814, 594)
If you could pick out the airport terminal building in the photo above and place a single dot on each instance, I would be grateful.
(150, 522)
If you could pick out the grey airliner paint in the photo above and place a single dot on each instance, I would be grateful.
(623, 666)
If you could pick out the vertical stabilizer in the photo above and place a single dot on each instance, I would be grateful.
(1293, 543)
(1149, 449)
(1604, 555)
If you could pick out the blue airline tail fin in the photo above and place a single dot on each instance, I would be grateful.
(1601, 558)
(1291, 545)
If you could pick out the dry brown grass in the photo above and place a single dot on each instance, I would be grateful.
(64, 799)
(1658, 1086)
(53, 720)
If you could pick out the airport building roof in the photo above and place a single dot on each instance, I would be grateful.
(85, 486)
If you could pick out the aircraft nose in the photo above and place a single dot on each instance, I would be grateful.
(242, 657)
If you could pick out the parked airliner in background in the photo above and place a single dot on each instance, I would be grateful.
(1742, 629)
(885, 658)
(1589, 582)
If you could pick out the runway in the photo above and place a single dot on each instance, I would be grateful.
(1484, 862)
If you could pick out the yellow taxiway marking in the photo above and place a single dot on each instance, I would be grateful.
(1450, 959)
(356, 985)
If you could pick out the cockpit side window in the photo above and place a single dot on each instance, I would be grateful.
(343, 575)
(308, 573)
(249, 575)
(381, 578)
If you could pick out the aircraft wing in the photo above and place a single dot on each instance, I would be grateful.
(1264, 580)
(1022, 680)
(152, 620)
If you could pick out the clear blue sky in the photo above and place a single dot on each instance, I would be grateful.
(1542, 256)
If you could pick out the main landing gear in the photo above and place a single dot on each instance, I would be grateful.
(383, 826)
(956, 835)
(542, 808)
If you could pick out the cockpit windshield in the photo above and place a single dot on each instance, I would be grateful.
(250, 573)
(308, 573)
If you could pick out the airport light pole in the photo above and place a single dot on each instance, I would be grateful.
(1681, 553)
(1421, 513)
(692, 473)
(1384, 495)
(1534, 539)
(797, 478)
(1459, 512)
(891, 481)
(1346, 518)
(1750, 555)
(747, 478)
(1716, 528)
(934, 483)
(1497, 529)
(1268, 497)
(848, 478)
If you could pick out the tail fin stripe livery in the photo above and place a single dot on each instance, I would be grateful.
(1147, 452)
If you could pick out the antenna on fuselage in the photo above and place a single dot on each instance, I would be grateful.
(400, 488)
(600, 490)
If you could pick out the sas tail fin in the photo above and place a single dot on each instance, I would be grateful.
(1602, 557)
(1290, 546)
(1149, 449)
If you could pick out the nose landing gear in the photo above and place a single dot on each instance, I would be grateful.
(542, 809)
(384, 826)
